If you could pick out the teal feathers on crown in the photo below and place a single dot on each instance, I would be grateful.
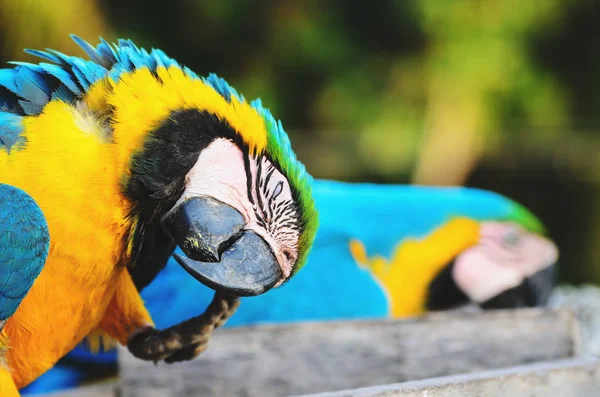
(27, 88)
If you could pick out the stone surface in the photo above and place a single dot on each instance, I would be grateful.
(317, 357)
(584, 301)
(100, 390)
(562, 378)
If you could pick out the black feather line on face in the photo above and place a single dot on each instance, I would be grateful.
(267, 192)
(261, 207)
(158, 173)
(275, 217)
(248, 177)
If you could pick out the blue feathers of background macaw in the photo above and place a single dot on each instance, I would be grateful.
(24, 244)
(331, 284)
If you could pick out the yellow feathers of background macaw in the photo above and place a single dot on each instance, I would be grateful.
(122, 158)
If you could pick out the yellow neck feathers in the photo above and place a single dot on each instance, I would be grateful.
(140, 103)
(414, 264)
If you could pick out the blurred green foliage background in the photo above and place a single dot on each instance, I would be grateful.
(498, 94)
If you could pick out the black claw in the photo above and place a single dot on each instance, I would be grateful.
(186, 340)
(186, 354)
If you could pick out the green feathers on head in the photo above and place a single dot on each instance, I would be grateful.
(279, 150)
(526, 219)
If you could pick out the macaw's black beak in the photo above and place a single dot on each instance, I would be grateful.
(541, 285)
(219, 252)
(534, 291)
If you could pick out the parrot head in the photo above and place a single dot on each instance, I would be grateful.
(217, 174)
(239, 217)
(197, 165)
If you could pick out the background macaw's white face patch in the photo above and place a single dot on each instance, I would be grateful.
(506, 251)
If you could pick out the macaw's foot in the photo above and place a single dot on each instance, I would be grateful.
(186, 340)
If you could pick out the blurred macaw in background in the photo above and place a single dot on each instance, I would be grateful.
(381, 251)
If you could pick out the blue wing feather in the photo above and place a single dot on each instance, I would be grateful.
(10, 131)
(43, 54)
(62, 93)
(24, 245)
(8, 81)
(30, 108)
(32, 85)
(81, 79)
(161, 57)
(64, 77)
(27, 88)
(89, 50)
(107, 53)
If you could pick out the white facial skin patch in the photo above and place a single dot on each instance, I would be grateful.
(504, 257)
(254, 187)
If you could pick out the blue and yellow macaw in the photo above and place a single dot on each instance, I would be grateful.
(108, 164)
(399, 251)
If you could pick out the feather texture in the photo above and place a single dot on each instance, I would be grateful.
(72, 126)
(28, 88)
(24, 244)
(10, 131)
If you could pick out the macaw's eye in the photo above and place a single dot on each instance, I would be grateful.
(511, 238)
(288, 255)
(278, 189)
